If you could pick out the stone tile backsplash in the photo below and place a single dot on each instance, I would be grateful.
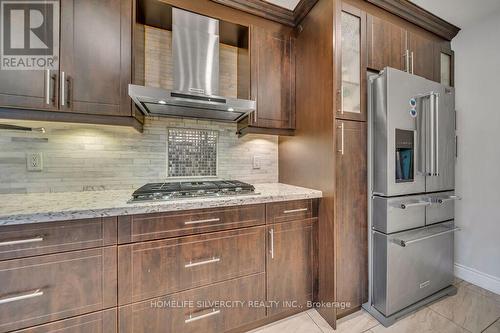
(78, 157)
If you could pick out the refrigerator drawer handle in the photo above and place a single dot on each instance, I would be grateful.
(404, 243)
(450, 198)
(414, 204)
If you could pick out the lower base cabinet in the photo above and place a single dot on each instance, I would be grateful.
(37, 290)
(212, 309)
(242, 267)
(97, 322)
(289, 265)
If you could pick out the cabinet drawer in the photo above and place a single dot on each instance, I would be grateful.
(290, 211)
(19, 241)
(143, 227)
(196, 310)
(52, 287)
(96, 322)
(158, 268)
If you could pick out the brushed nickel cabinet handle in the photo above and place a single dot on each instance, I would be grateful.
(288, 211)
(341, 150)
(62, 83)
(202, 221)
(271, 237)
(412, 62)
(32, 294)
(202, 262)
(406, 55)
(206, 315)
(47, 87)
(22, 241)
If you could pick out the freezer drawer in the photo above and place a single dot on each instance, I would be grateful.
(442, 207)
(398, 214)
(411, 265)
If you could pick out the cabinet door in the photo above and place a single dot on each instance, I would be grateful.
(444, 65)
(289, 264)
(421, 55)
(385, 44)
(95, 56)
(272, 61)
(351, 78)
(351, 215)
(28, 88)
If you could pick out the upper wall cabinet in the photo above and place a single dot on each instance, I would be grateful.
(391, 45)
(91, 81)
(386, 44)
(352, 61)
(95, 56)
(272, 83)
(421, 55)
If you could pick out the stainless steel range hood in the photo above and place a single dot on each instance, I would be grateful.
(195, 51)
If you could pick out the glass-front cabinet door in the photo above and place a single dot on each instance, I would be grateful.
(446, 64)
(351, 81)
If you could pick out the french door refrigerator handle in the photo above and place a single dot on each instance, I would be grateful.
(436, 133)
(432, 133)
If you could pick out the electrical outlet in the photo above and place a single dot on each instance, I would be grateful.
(34, 161)
(256, 162)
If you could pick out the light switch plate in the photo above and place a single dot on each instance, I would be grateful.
(34, 161)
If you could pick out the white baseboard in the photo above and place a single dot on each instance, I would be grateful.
(483, 280)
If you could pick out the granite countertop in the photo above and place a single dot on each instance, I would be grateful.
(45, 207)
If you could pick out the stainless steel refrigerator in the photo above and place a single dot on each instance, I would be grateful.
(412, 152)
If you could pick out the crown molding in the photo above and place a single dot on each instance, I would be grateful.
(418, 16)
(402, 8)
(270, 11)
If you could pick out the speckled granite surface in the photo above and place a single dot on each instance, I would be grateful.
(45, 207)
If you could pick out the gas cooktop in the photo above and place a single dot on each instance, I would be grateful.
(177, 190)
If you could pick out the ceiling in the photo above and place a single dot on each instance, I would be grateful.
(288, 4)
(459, 12)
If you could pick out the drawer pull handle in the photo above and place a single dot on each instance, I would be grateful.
(450, 198)
(203, 262)
(404, 243)
(206, 315)
(202, 221)
(22, 241)
(295, 210)
(35, 293)
(414, 204)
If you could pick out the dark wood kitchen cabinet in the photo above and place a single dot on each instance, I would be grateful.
(351, 78)
(396, 46)
(272, 83)
(289, 264)
(351, 214)
(90, 85)
(386, 44)
(421, 53)
(95, 67)
(37, 290)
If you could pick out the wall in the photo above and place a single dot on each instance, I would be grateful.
(93, 157)
(477, 69)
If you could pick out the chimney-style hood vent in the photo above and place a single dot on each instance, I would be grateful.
(195, 51)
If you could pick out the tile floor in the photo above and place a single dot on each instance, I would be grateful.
(472, 310)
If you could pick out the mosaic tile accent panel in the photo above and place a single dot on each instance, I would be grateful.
(192, 152)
